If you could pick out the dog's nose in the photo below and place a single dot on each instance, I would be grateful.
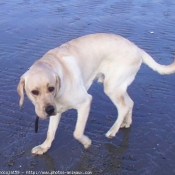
(50, 110)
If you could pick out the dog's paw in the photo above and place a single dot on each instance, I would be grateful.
(39, 150)
(110, 134)
(125, 125)
(83, 139)
(87, 143)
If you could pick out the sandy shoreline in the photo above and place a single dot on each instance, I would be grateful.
(29, 29)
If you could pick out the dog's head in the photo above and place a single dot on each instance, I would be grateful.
(41, 85)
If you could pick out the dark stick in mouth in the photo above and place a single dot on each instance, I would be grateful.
(36, 124)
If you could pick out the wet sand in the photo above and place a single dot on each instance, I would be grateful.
(29, 29)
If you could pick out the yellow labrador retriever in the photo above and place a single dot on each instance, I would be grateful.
(60, 79)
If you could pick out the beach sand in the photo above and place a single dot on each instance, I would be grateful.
(28, 29)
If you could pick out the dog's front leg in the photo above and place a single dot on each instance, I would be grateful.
(53, 124)
(83, 113)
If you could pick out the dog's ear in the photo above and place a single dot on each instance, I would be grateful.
(20, 90)
(58, 84)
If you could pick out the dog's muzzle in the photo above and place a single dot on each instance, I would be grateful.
(50, 110)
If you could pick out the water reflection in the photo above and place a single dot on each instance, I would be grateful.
(116, 153)
(104, 157)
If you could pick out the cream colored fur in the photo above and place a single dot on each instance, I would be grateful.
(71, 69)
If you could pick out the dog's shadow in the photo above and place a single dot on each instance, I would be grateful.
(49, 162)
(108, 156)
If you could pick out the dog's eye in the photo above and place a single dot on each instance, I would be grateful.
(35, 92)
(51, 89)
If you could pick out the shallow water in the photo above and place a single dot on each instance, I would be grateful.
(29, 29)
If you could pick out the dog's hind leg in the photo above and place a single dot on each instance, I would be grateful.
(117, 96)
(116, 89)
(128, 119)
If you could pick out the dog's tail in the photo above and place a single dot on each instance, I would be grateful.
(161, 69)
